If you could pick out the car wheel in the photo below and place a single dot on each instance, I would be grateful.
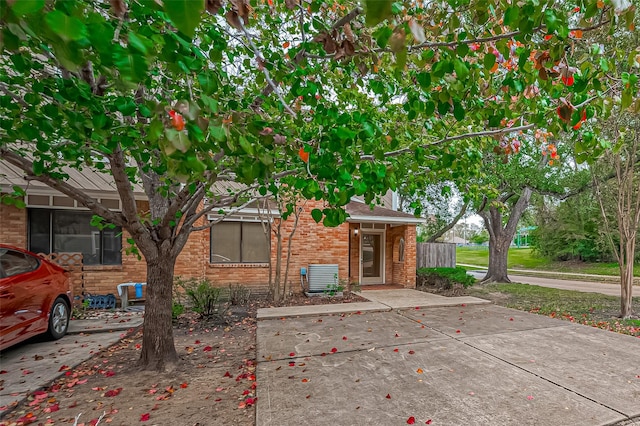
(58, 319)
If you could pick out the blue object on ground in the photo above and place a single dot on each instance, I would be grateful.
(101, 301)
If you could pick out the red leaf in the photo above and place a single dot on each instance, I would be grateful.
(388, 396)
(112, 392)
(412, 352)
(457, 331)
(250, 401)
(144, 417)
(292, 364)
(110, 373)
(334, 350)
(428, 422)
(207, 349)
(292, 354)
(344, 337)
(197, 342)
(184, 385)
(568, 80)
(411, 420)
(227, 374)
(395, 350)
(63, 368)
(176, 120)
(304, 156)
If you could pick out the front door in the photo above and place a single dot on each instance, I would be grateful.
(372, 257)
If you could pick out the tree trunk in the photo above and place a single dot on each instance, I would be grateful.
(626, 281)
(499, 244)
(500, 236)
(158, 349)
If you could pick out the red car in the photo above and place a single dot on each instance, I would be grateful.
(35, 297)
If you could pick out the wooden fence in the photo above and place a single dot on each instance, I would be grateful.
(435, 255)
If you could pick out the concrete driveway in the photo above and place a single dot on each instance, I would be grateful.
(471, 364)
(35, 363)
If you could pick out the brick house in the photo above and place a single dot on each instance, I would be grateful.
(375, 246)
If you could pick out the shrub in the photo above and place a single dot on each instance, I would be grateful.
(444, 277)
(176, 310)
(239, 294)
(204, 298)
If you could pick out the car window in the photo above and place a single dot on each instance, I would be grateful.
(14, 262)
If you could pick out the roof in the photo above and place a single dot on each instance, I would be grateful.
(361, 212)
(91, 181)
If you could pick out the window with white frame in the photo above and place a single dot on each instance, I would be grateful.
(57, 231)
(239, 242)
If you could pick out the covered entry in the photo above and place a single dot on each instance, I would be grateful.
(372, 244)
(382, 246)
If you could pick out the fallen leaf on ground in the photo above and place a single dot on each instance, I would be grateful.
(145, 417)
(411, 420)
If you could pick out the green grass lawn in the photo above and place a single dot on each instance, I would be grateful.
(591, 309)
(524, 258)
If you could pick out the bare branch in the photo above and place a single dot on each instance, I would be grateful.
(452, 138)
(265, 71)
(441, 232)
(15, 97)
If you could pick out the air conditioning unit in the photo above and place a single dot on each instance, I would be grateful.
(321, 277)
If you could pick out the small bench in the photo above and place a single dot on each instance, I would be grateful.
(123, 292)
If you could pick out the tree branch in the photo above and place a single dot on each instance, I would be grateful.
(15, 97)
(441, 232)
(450, 139)
(257, 102)
(263, 68)
(91, 203)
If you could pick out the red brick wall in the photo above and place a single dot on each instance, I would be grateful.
(312, 243)
(13, 226)
(354, 253)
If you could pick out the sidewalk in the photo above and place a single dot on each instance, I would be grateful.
(606, 279)
(608, 288)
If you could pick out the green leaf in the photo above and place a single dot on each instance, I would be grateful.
(377, 11)
(424, 79)
(66, 27)
(382, 36)
(511, 15)
(25, 7)
(138, 42)
(627, 98)
(185, 14)
(316, 214)
(550, 20)
(461, 69)
(246, 145)
(458, 111)
(489, 61)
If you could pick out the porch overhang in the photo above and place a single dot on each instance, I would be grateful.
(386, 220)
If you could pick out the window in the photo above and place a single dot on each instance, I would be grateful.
(55, 231)
(239, 242)
(14, 262)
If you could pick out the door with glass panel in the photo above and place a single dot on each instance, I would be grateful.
(372, 257)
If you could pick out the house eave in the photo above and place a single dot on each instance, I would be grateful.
(390, 220)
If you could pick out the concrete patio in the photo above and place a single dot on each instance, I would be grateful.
(467, 364)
